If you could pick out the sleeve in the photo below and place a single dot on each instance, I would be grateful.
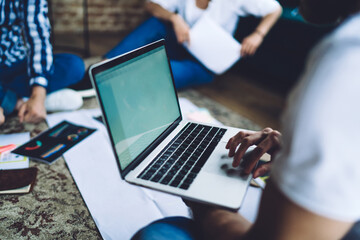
(170, 5)
(258, 8)
(37, 34)
(318, 167)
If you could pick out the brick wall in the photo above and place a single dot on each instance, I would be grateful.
(104, 15)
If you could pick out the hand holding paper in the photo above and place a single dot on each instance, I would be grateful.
(181, 28)
(250, 44)
(215, 48)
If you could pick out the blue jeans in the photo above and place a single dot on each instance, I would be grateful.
(14, 81)
(187, 71)
(174, 228)
(180, 228)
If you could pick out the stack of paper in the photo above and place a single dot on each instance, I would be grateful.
(10, 161)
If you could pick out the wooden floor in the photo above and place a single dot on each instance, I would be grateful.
(252, 101)
(239, 93)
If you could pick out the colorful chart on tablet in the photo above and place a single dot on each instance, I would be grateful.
(51, 144)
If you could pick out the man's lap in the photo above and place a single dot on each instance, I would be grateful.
(68, 69)
(174, 228)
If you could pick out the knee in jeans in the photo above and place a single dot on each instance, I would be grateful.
(76, 67)
(178, 228)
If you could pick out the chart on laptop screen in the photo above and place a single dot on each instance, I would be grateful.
(139, 102)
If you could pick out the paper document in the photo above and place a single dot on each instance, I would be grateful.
(191, 112)
(118, 208)
(9, 160)
(213, 46)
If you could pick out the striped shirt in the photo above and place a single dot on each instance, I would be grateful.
(25, 32)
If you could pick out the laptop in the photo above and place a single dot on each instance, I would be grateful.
(153, 145)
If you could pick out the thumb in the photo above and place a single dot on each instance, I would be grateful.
(21, 112)
(262, 170)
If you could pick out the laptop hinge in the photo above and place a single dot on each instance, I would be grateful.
(151, 147)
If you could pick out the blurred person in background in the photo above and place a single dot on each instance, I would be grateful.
(28, 68)
(172, 20)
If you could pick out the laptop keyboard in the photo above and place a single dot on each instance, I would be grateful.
(181, 160)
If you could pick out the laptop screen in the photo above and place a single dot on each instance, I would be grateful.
(139, 102)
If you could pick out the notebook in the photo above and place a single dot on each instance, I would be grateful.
(153, 146)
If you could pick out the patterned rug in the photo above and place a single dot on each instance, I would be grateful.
(55, 208)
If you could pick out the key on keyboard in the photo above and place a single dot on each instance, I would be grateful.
(181, 160)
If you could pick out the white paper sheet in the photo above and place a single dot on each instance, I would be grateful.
(191, 112)
(120, 209)
(9, 160)
(213, 46)
(16, 138)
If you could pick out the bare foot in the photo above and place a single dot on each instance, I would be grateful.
(2, 116)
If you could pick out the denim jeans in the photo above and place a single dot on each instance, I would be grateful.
(180, 228)
(14, 81)
(187, 71)
(174, 228)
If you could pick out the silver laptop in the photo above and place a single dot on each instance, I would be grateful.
(154, 147)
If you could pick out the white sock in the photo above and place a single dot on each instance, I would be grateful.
(63, 100)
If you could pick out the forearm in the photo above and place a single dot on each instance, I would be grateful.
(180, 27)
(158, 11)
(281, 219)
(268, 22)
(38, 92)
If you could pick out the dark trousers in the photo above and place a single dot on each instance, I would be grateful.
(14, 81)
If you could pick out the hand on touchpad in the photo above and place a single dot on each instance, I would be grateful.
(230, 170)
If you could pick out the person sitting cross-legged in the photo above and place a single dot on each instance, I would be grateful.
(172, 20)
(28, 68)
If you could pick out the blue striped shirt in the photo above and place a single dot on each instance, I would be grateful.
(25, 32)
